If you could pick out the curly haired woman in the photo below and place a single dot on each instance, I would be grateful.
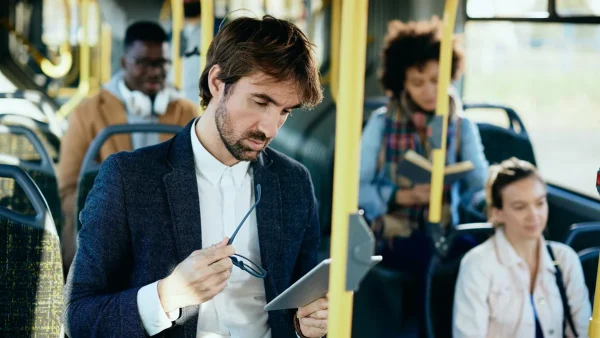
(396, 208)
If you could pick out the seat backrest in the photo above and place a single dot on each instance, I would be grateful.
(20, 146)
(500, 143)
(31, 278)
(443, 273)
(46, 108)
(90, 167)
(42, 130)
(583, 235)
(378, 304)
(589, 262)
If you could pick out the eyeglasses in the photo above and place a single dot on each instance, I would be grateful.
(147, 64)
(250, 267)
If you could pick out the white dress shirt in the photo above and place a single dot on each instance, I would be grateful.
(238, 310)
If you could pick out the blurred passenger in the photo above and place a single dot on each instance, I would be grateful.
(138, 94)
(517, 284)
(397, 208)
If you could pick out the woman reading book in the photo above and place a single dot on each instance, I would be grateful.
(517, 284)
(395, 206)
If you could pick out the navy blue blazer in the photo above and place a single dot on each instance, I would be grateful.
(142, 218)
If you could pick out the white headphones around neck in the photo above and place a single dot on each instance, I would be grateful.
(140, 104)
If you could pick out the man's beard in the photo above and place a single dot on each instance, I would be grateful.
(235, 147)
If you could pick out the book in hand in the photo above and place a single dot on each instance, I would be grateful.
(417, 169)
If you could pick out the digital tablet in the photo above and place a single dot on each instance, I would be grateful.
(314, 285)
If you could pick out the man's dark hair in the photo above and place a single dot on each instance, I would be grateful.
(146, 31)
(275, 47)
(413, 44)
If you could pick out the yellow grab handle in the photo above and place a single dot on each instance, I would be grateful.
(334, 61)
(208, 29)
(347, 139)
(439, 155)
(52, 70)
(594, 331)
(84, 67)
(177, 20)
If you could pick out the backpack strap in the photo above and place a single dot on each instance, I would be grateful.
(563, 293)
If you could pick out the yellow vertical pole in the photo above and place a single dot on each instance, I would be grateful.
(208, 29)
(177, 20)
(594, 330)
(84, 67)
(334, 62)
(349, 118)
(439, 155)
(96, 48)
(105, 52)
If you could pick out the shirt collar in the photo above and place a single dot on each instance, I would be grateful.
(509, 257)
(213, 169)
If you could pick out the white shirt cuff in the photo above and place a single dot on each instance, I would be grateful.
(153, 316)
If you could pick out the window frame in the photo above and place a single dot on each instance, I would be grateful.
(553, 17)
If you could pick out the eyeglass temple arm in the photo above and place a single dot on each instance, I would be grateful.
(246, 216)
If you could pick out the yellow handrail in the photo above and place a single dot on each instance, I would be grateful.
(439, 155)
(84, 67)
(208, 29)
(347, 139)
(594, 330)
(334, 62)
(207, 32)
(177, 17)
(50, 69)
(105, 53)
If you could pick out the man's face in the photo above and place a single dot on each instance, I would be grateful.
(146, 65)
(250, 113)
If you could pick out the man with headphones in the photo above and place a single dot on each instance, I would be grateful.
(136, 94)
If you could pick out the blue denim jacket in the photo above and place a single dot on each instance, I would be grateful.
(376, 188)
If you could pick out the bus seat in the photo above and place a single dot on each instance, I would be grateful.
(31, 278)
(42, 130)
(378, 304)
(589, 262)
(90, 167)
(20, 146)
(37, 105)
(501, 143)
(583, 235)
(442, 275)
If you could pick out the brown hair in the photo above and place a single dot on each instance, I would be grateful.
(505, 174)
(413, 44)
(275, 47)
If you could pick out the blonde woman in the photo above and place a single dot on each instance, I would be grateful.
(509, 286)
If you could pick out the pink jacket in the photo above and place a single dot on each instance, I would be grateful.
(492, 297)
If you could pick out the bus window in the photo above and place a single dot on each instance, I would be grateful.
(311, 23)
(507, 8)
(543, 71)
(577, 7)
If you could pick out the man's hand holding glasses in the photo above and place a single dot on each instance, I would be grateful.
(199, 278)
(204, 274)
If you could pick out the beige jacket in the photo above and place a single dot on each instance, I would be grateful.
(492, 297)
(86, 121)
